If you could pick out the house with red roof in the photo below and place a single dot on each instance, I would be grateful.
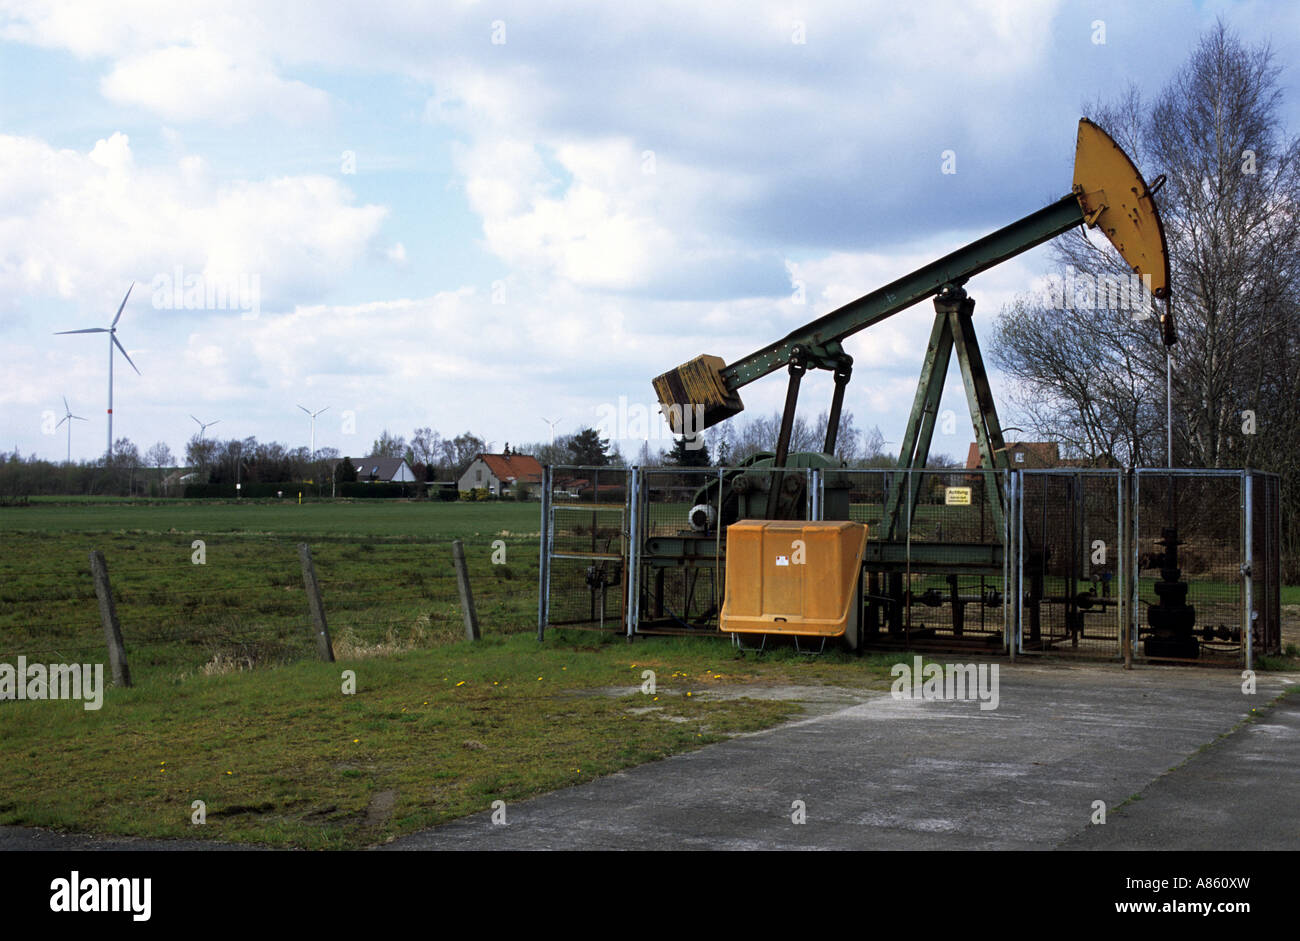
(1021, 455)
(499, 473)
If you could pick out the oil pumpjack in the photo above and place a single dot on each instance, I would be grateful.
(1109, 194)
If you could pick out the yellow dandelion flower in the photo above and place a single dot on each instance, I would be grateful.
(461, 683)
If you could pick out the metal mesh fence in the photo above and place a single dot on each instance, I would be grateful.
(586, 530)
(681, 518)
(1070, 554)
(935, 568)
(1189, 530)
(1060, 562)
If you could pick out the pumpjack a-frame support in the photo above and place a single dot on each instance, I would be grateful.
(952, 330)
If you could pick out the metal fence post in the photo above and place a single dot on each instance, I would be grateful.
(1124, 489)
(1248, 505)
(1010, 580)
(544, 561)
(1135, 530)
(632, 577)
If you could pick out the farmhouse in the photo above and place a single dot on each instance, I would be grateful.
(499, 472)
(1022, 455)
(382, 470)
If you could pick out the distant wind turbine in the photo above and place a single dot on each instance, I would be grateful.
(313, 426)
(111, 330)
(552, 423)
(68, 417)
(204, 426)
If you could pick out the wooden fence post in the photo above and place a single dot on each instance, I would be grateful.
(466, 596)
(108, 615)
(320, 629)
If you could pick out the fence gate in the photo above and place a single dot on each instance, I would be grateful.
(1070, 561)
(680, 516)
(936, 569)
(1216, 533)
(585, 530)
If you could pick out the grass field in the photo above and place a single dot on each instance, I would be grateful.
(388, 519)
(281, 756)
(230, 708)
(385, 571)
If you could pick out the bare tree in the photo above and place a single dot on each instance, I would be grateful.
(1095, 379)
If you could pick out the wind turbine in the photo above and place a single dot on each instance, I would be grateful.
(313, 426)
(68, 417)
(111, 330)
(204, 426)
(552, 423)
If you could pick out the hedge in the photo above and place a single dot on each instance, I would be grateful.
(375, 490)
(251, 491)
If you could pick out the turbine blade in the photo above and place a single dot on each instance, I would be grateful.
(196, 421)
(211, 423)
(79, 418)
(65, 405)
(87, 330)
(128, 358)
(62, 420)
(123, 304)
(304, 409)
(325, 409)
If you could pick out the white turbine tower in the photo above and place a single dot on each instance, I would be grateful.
(552, 423)
(111, 330)
(313, 426)
(68, 417)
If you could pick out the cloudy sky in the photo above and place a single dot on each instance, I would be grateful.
(473, 215)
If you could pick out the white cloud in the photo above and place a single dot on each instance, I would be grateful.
(204, 84)
(77, 224)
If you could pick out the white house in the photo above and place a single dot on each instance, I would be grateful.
(497, 473)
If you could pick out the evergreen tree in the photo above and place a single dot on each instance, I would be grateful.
(689, 451)
(589, 448)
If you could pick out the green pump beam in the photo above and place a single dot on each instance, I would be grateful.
(1034, 229)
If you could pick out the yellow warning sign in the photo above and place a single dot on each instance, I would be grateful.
(956, 496)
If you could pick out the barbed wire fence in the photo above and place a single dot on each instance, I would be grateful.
(226, 604)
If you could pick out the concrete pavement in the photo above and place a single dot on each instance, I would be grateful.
(897, 774)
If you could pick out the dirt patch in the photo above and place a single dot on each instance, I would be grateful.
(816, 700)
(381, 808)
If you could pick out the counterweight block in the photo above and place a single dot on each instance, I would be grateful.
(694, 396)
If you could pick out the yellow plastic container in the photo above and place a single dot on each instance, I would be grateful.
(793, 577)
